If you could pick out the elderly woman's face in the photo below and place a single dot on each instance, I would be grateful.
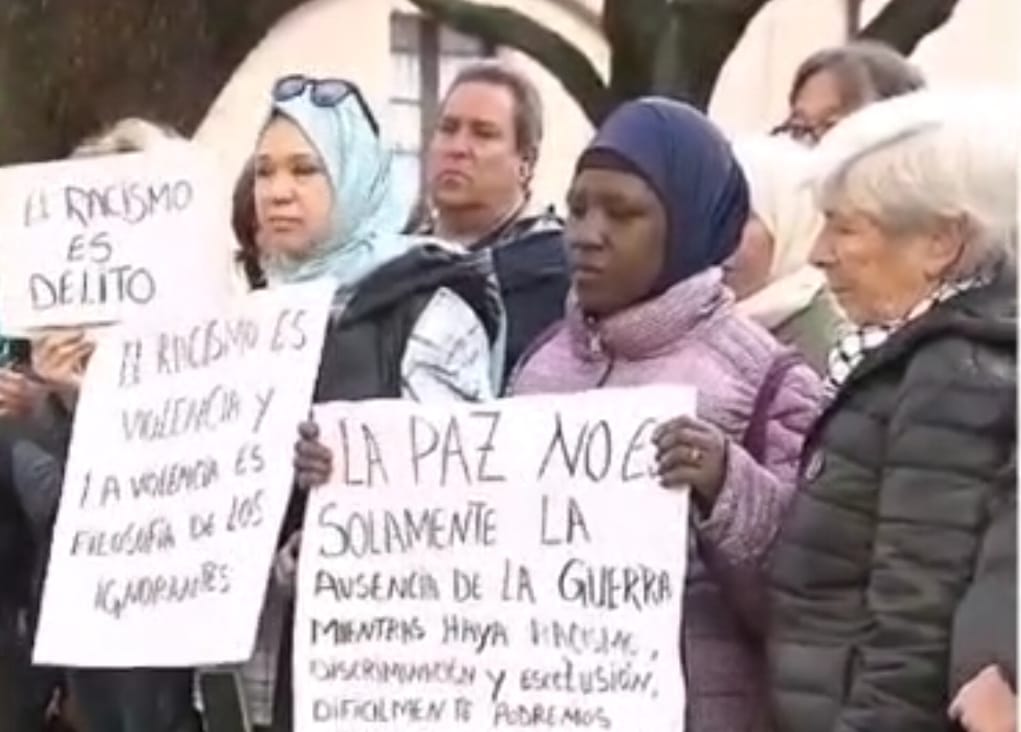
(293, 197)
(616, 234)
(878, 277)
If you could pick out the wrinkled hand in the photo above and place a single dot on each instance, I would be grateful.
(692, 453)
(285, 567)
(313, 461)
(19, 395)
(59, 358)
(986, 704)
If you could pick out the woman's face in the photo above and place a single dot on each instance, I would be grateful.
(747, 271)
(616, 235)
(878, 277)
(293, 196)
(817, 108)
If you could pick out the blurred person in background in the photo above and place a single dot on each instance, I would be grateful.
(770, 274)
(832, 83)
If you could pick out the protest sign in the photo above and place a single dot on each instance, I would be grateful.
(101, 240)
(178, 477)
(512, 564)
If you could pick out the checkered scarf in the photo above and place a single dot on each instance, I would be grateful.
(852, 347)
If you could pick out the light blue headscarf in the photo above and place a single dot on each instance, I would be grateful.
(367, 216)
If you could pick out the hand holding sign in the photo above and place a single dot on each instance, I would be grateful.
(60, 357)
(313, 461)
(177, 481)
(19, 395)
(692, 453)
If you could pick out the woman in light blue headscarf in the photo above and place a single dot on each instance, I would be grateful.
(412, 318)
(326, 206)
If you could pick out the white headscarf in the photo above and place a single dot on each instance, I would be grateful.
(777, 169)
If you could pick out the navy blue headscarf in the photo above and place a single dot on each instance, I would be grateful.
(686, 160)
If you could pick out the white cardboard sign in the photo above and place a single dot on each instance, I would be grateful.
(103, 240)
(178, 477)
(508, 565)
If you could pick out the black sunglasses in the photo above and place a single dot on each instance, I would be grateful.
(325, 93)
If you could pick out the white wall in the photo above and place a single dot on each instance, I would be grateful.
(350, 38)
(340, 38)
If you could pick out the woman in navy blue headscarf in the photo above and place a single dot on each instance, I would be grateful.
(657, 204)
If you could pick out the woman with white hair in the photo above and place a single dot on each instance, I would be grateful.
(914, 456)
(770, 274)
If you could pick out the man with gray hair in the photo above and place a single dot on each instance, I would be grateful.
(888, 592)
(479, 169)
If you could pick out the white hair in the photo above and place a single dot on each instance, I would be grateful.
(131, 134)
(917, 162)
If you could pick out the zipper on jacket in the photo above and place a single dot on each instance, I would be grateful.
(595, 344)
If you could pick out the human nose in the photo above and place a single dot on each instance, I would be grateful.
(281, 188)
(585, 232)
(821, 255)
(454, 143)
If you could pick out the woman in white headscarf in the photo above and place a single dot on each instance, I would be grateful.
(770, 273)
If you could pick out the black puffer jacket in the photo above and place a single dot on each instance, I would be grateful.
(901, 478)
(985, 625)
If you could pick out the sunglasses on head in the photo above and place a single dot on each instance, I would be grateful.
(324, 93)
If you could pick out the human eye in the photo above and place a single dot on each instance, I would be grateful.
(303, 168)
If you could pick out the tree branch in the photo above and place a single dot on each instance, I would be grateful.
(697, 40)
(904, 23)
(502, 26)
(632, 29)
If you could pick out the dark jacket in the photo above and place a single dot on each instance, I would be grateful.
(31, 467)
(902, 475)
(32, 455)
(365, 344)
(530, 261)
(17, 546)
(985, 625)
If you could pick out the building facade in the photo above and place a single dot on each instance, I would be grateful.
(403, 62)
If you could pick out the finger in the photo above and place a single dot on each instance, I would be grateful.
(312, 467)
(309, 466)
(309, 481)
(670, 426)
(682, 437)
(12, 378)
(679, 459)
(309, 430)
(680, 477)
(313, 451)
(702, 440)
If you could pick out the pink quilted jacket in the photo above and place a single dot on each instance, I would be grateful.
(692, 335)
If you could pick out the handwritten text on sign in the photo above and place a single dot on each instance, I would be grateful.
(99, 240)
(177, 481)
(512, 565)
